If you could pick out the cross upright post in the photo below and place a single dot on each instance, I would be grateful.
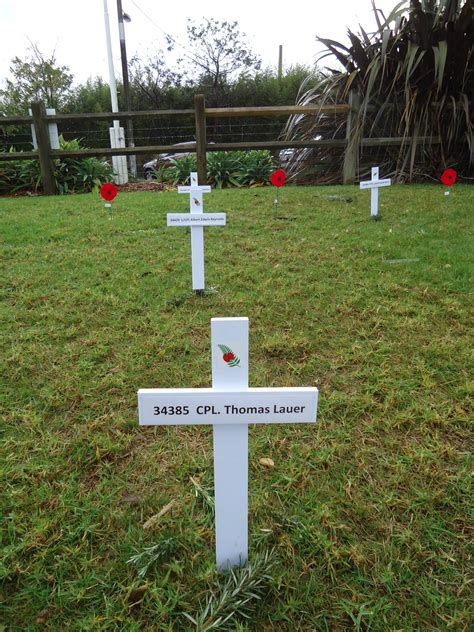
(374, 185)
(230, 445)
(196, 220)
(230, 406)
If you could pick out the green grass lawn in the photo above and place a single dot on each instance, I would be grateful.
(364, 515)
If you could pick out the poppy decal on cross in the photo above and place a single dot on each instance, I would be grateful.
(229, 356)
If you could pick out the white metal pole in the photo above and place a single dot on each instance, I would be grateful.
(117, 138)
(112, 84)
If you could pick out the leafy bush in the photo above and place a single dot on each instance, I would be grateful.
(165, 173)
(257, 167)
(70, 174)
(19, 175)
(224, 168)
(181, 168)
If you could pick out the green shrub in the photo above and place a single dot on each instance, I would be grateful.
(165, 173)
(181, 168)
(224, 168)
(257, 167)
(70, 174)
(79, 174)
(19, 175)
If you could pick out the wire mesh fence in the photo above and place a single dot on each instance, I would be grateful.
(163, 132)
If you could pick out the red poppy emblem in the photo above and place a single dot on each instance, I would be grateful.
(278, 178)
(108, 191)
(448, 178)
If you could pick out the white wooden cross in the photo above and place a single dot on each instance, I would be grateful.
(196, 219)
(230, 406)
(375, 184)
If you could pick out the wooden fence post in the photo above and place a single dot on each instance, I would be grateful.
(200, 117)
(44, 147)
(351, 154)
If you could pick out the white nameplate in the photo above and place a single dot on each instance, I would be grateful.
(196, 219)
(376, 184)
(204, 188)
(171, 406)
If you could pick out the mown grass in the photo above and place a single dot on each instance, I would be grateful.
(367, 512)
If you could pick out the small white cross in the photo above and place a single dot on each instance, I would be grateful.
(230, 406)
(375, 184)
(196, 220)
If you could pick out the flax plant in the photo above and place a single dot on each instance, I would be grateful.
(414, 79)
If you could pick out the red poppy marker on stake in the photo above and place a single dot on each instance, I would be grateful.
(448, 178)
(278, 180)
(108, 191)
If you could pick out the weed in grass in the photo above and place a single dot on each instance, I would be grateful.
(205, 498)
(152, 555)
(236, 595)
(179, 300)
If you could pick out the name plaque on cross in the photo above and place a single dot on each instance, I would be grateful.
(374, 185)
(168, 406)
(230, 405)
(196, 220)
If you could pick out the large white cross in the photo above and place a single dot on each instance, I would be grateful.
(375, 184)
(230, 405)
(196, 219)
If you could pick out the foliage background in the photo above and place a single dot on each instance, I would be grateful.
(223, 68)
(414, 78)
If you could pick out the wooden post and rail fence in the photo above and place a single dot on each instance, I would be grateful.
(351, 144)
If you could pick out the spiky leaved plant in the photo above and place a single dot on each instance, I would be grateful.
(236, 597)
(415, 78)
(152, 555)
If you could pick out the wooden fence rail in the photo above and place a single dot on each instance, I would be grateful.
(351, 144)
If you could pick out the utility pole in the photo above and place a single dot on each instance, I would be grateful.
(280, 62)
(126, 85)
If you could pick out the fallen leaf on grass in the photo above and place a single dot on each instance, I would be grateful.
(267, 462)
(151, 522)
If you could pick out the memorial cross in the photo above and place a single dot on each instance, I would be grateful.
(375, 184)
(196, 220)
(230, 406)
